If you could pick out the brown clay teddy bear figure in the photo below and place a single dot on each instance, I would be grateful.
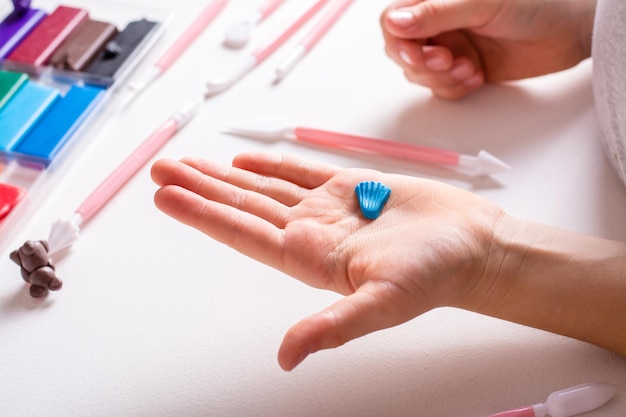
(36, 267)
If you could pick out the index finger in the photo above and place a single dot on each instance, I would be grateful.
(296, 170)
(421, 19)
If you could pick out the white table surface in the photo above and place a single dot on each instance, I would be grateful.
(156, 319)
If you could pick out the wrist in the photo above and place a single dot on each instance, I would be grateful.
(505, 250)
(551, 279)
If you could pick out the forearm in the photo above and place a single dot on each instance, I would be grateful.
(558, 281)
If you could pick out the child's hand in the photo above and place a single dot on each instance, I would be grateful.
(454, 46)
(427, 249)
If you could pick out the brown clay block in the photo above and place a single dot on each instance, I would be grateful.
(82, 46)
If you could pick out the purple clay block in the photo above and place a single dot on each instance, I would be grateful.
(21, 6)
(372, 198)
(16, 26)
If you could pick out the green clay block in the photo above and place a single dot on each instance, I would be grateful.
(10, 83)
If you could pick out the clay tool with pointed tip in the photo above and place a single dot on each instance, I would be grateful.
(239, 34)
(219, 85)
(274, 129)
(310, 40)
(65, 232)
(186, 38)
(567, 403)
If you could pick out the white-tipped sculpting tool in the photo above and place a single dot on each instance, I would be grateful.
(239, 34)
(64, 232)
(219, 85)
(276, 129)
(184, 41)
(310, 39)
(567, 403)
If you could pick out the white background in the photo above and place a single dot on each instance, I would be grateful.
(156, 319)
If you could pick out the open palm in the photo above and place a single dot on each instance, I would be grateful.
(426, 250)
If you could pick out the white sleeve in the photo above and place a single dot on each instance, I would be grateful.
(609, 78)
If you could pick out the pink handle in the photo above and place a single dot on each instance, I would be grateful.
(268, 48)
(268, 7)
(190, 34)
(325, 23)
(124, 172)
(518, 412)
(376, 146)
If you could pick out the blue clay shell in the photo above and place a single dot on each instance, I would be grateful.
(372, 197)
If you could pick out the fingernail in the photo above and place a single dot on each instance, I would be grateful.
(405, 56)
(474, 81)
(402, 18)
(461, 72)
(436, 64)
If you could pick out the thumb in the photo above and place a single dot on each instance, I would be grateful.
(374, 306)
(430, 18)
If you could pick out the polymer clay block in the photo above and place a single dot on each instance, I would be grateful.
(21, 6)
(118, 50)
(82, 46)
(10, 196)
(24, 109)
(10, 83)
(48, 136)
(16, 26)
(37, 48)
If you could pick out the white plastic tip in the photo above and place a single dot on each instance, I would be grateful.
(63, 234)
(146, 79)
(579, 399)
(219, 85)
(483, 164)
(128, 98)
(238, 35)
(188, 111)
(267, 129)
(289, 63)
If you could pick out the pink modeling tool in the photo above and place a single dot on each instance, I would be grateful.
(273, 129)
(311, 39)
(261, 53)
(185, 39)
(238, 35)
(65, 232)
(566, 403)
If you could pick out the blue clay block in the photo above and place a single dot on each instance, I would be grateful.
(44, 141)
(372, 198)
(23, 111)
(16, 26)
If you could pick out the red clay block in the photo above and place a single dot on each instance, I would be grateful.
(10, 196)
(46, 38)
